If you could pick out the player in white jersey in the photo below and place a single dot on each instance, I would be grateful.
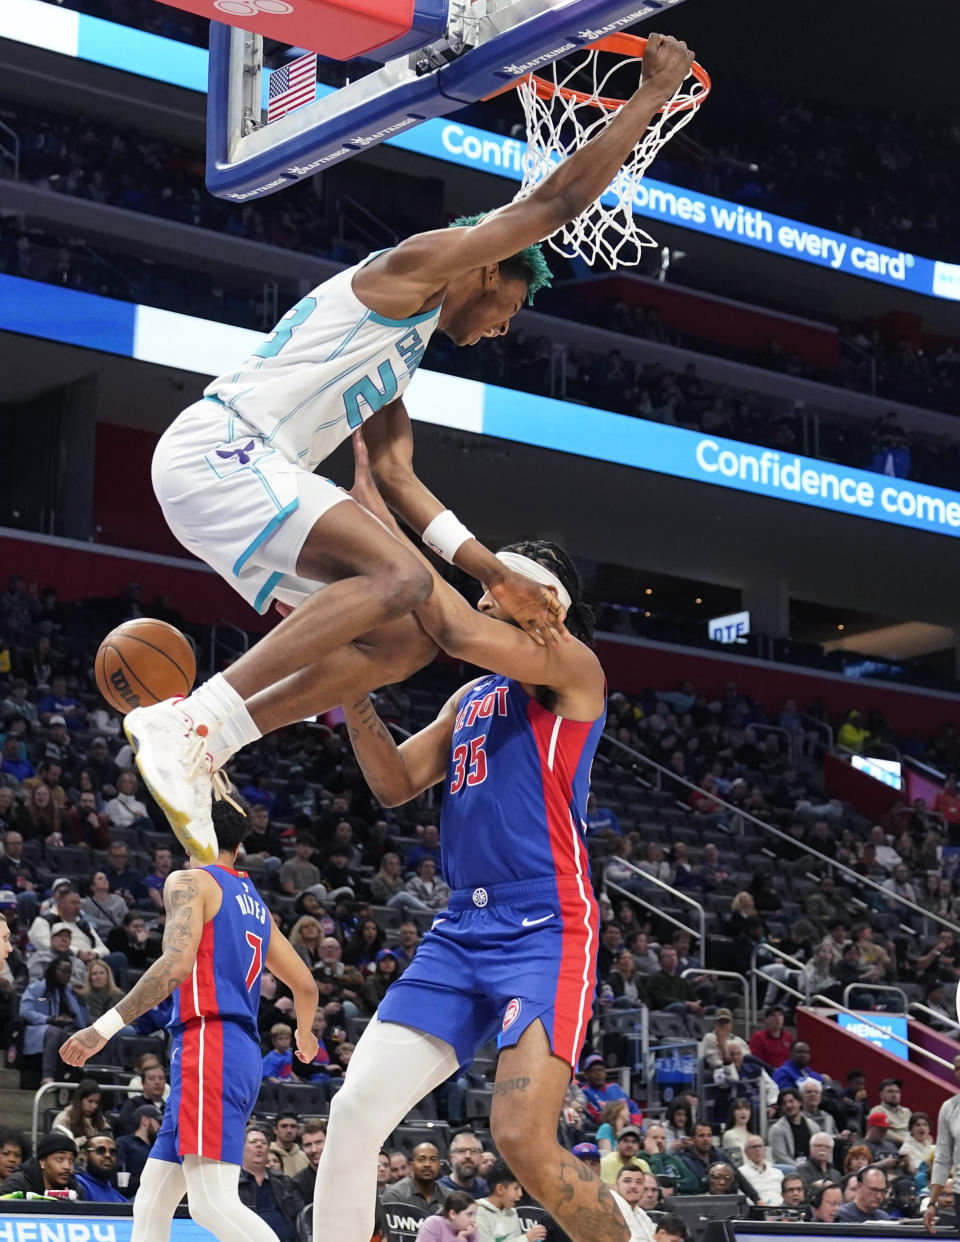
(233, 474)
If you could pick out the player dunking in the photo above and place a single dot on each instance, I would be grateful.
(218, 938)
(233, 474)
(514, 955)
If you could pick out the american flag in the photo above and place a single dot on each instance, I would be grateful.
(291, 86)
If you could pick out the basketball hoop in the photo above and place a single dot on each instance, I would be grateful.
(561, 118)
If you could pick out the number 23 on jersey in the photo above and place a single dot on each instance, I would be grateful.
(469, 764)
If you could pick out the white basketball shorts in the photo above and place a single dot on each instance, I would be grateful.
(238, 504)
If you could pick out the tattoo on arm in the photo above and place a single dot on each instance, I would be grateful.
(586, 1212)
(510, 1084)
(365, 725)
(176, 961)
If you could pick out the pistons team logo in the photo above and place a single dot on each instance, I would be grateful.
(510, 1014)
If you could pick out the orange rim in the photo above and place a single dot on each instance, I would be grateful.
(621, 45)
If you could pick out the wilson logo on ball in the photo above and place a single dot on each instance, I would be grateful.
(119, 682)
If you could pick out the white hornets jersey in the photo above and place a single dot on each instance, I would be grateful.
(328, 365)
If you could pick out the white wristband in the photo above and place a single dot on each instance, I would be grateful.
(109, 1024)
(446, 534)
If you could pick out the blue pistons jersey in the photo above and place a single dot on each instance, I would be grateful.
(518, 942)
(215, 1059)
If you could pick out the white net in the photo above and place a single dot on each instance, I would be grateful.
(568, 107)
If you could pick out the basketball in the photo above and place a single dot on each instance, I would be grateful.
(144, 661)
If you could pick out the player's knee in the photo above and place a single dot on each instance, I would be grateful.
(411, 585)
(523, 1140)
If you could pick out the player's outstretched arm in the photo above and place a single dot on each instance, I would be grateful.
(383, 457)
(183, 899)
(395, 774)
(284, 961)
(436, 257)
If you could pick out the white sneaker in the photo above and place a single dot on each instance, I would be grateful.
(175, 767)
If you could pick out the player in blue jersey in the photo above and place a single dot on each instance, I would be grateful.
(218, 938)
(514, 954)
(234, 473)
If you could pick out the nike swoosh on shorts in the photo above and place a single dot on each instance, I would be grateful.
(534, 922)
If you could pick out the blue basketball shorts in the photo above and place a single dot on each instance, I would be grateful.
(496, 960)
(215, 1074)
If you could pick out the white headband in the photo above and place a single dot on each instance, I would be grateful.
(539, 573)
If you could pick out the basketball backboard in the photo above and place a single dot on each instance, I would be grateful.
(452, 53)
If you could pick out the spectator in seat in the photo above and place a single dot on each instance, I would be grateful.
(40, 959)
(97, 1177)
(427, 847)
(126, 809)
(765, 1179)
(897, 1114)
(792, 1191)
(625, 981)
(825, 1199)
(790, 1135)
(598, 1091)
(278, 1062)
(614, 1117)
(884, 1152)
(86, 824)
(811, 1094)
(628, 1193)
(123, 879)
(667, 992)
(51, 1011)
(101, 764)
(59, 703)
(465, 1153)
(626, 1153)
(300, 872)
(12, 1146)
(286, 1144)
(153, 1091)
(50, 1169)
(408, 940)
(83, 1117)
(399, 1167)
(388, 887)
(601, 818)
(702, 1155)
(456, 1223)
(313, 1136)
(853, 733)
(819, 1166)
(272, 1196)
(666, 1164)
(716, 1047)
(16, 873)
(796, 1067)
(865, 1205)
(133, 1149)
(427, 887)
(263, 841)
(917, 1149)
(162, 866)
(497, 1217)
(419, 1187)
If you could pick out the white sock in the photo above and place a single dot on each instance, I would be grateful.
(230, 726)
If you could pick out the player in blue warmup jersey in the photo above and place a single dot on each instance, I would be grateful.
(234, 473)
(218, 938)
(514, 954)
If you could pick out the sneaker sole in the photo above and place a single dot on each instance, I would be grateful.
(178, 820)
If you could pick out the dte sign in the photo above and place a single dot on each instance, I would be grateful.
(732, 628)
